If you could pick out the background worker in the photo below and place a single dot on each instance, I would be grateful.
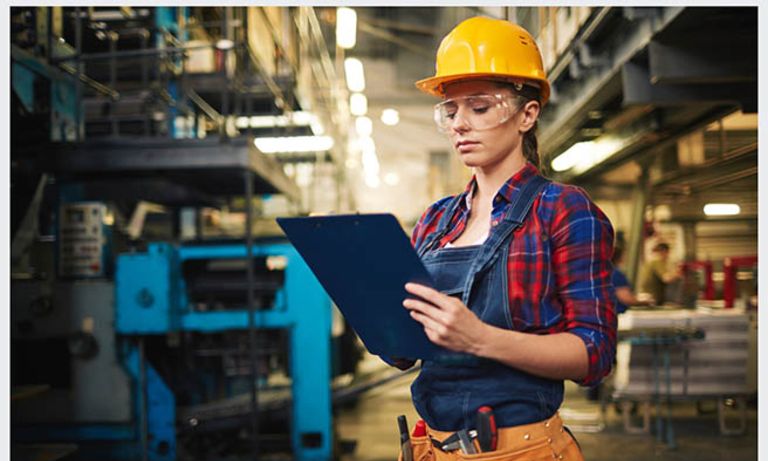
(625, 295)
(521, 264)
(656, 274)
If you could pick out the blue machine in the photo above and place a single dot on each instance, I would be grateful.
(151, 298)
(155, 302)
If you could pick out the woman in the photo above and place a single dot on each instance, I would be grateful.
(521, 264)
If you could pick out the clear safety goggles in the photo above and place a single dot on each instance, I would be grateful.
(480, 112)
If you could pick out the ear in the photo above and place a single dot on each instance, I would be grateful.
(530, 113)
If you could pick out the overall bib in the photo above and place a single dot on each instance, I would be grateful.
(449, 390)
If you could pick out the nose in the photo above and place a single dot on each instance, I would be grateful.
(460, 124)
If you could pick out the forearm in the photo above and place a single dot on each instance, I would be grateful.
(553, 356)
(626, 297)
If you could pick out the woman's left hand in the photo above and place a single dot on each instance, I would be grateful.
(446, 320)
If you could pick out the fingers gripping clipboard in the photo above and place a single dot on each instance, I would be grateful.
(364, 261)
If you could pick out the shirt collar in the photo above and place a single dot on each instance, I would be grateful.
(509, 189)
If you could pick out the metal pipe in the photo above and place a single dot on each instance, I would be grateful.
(223, 135)
(251, 312)
(78, 74)
(642, 191)
(204, 106)
(248, 111)
(238, 56)
(113, 37)
(48, 33)
(274, 88)
(710, 165)
(145, 76)
(721, 129)
(98, 87)
(133, 53)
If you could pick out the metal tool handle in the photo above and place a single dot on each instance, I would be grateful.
(466, 443)
(405, 438)
(486, 429)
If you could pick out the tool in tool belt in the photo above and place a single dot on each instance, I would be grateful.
(405, 439)
(452, 442)
(465, 442)
(420, 429)
(487, 435)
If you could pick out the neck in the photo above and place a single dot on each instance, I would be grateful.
(490, 178)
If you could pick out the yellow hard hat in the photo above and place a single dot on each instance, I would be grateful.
(483, 47)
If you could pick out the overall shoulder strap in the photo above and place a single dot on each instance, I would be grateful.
(442, 226)
(519, 210)
(512, 220)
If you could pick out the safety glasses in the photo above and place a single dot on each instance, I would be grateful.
(480, 112)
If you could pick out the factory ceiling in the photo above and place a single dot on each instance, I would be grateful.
(631, 85)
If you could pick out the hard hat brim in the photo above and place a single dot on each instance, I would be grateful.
(434, 85)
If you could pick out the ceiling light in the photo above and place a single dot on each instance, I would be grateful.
(721, 209)
(225, 44)
(390, 117)
(346, 27)
(366, 144)
(275, 145)
(358, 104)
(295, 118)
(363, 126)
(570, 157)
(353, 69)
(584, 155)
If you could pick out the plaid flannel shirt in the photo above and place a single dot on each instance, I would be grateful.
(559, 265)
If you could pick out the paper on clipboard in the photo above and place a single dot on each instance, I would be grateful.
(364, 261)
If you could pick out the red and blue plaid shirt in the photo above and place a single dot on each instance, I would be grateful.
(559, 266)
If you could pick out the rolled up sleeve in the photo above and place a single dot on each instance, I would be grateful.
(582, 238)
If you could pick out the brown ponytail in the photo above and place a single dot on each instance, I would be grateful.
(531, 146)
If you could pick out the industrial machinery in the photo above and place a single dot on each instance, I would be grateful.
(199, 294)
(176, 363)
(169, 350)
(161, 345)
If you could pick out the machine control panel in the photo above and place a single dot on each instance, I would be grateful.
(83, 239)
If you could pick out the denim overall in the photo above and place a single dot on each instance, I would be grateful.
(450, 389)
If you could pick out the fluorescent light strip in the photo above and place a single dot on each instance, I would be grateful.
(584, 155)
(353, 69)
(721, 209)
(298, 118)
(363, 126)
(346, 27)
(358, 104)
(292, 144)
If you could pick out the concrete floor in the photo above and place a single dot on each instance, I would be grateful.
(372, 423)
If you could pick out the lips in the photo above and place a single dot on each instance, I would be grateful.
(465, 145)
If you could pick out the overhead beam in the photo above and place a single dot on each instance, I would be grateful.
(638, 89)
(599, 85)
(698, 63)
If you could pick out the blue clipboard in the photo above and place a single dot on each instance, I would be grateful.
(363, 261)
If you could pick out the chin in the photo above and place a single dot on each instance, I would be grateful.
(471, 163)
(472, 160)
